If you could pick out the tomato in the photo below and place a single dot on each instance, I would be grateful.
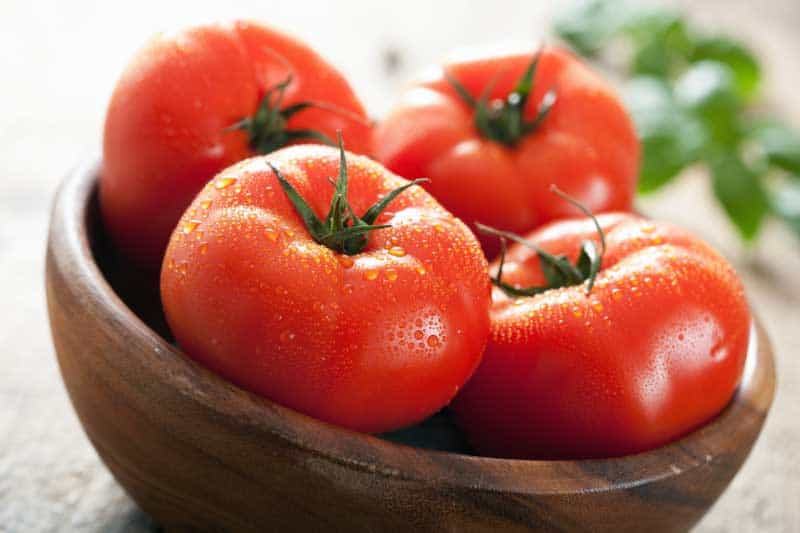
(654, 350)
(372, 330)
(194, 102)
(546, 119)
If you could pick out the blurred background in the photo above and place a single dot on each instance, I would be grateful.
(58, 64)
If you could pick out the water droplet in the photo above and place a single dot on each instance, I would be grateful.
(346, 261)
(719, 352)
(519, 301)
(271, 234)
(418, 334)
(397, 251)
(433, 341)
(348, 288)
(597, 306)
(190, 226)
(205, 204)
(681, 336)
(371, 275)
(222, 183)
(576, 312)
(438, 227)
(657, 240)
(648, 228)
(616, 294)
(421, 270)
(203, 248)
(287, 336)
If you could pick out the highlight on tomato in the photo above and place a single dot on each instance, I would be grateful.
(194, 102)
(493, 132)
(609, 336)
(327, 284)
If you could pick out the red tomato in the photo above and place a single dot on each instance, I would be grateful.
(486, 163)
(373, 339)
(655, 350)
(169, 124)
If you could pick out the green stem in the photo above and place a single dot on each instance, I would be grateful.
(342, 230)
(557, 269)
(503, 121)
(267, 129)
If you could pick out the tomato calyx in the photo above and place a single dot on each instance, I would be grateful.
(342, 230)
(267, 128)
(503, 120)
(557, 269)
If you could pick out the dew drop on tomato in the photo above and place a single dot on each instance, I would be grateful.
(223, 183)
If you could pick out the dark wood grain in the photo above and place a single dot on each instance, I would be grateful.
(196, 452)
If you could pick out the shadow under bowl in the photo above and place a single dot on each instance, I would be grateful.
(196, 452)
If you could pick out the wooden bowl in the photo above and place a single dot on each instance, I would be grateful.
(196, 452)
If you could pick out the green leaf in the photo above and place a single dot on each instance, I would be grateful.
(312, 222)
(708, 90)
(781, 145)
(740, 192)
(589, 262)
(661, 43)
(377, 208)
(741, 61)
(785, 203)
(671, 137)
(589, 25)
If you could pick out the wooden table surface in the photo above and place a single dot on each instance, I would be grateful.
(58, 63)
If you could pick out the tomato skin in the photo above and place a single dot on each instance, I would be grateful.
(167, 125)
(374, 341)
(656, 350)
(586, 145)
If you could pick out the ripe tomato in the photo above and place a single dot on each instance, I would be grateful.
(197, 101)
(655, 350)
(493, 133)
(372, 330)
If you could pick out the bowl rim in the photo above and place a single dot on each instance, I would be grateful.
(368, 453)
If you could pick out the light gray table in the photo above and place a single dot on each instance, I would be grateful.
(58, 63)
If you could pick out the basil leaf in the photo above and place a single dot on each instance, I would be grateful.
(671, 137)
(743, 64)
(662, 44)
(740, 192)
(781, 145)
(708, 89)
(589, 25)
(785, 203)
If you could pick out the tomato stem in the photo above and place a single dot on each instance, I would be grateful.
(342, 230)
(267, 128)
(557, 269)
(503, 120)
